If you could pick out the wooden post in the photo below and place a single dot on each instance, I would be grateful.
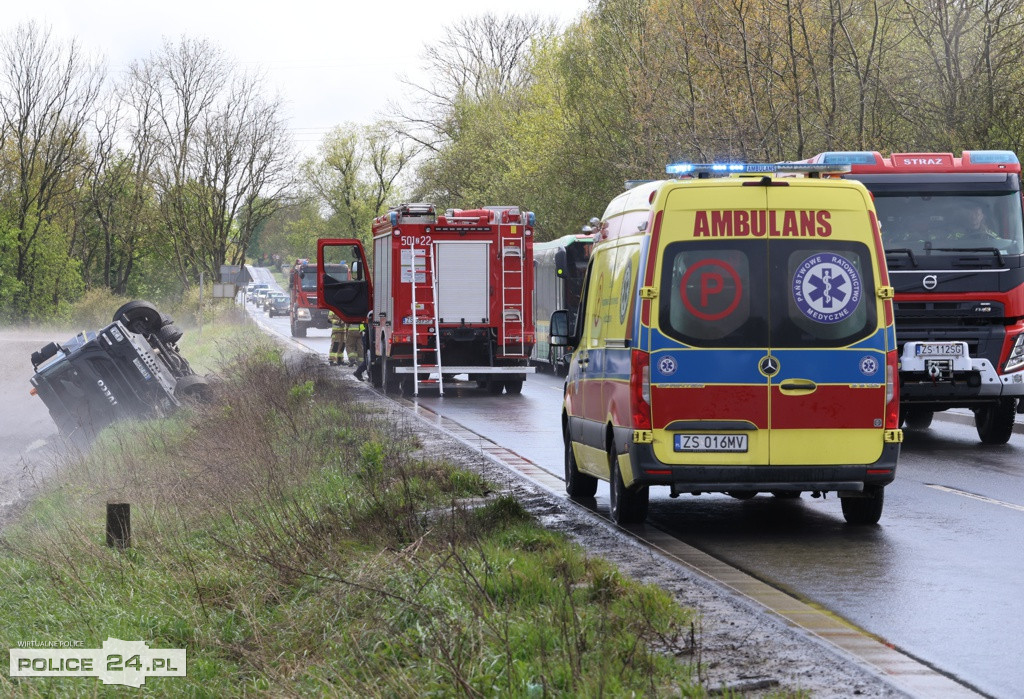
(119, 525)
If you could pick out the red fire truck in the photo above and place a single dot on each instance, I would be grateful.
(952, 231)
(304, 312)
(453, 296)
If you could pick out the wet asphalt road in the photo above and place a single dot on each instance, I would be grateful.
(941, 577)
(25, 424)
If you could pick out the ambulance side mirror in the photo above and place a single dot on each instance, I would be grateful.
(560, 334)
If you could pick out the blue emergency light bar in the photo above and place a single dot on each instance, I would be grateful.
(848, 157)
(989, 157)
(753, 168)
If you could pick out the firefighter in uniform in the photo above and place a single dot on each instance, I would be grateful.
(354, 343)
(337, 350)
(365, 337)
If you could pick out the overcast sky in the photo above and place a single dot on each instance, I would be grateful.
(332, 62)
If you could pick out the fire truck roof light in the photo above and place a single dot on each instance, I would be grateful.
(752, 168)
(848, 157)
(531, 218)
(991, 156)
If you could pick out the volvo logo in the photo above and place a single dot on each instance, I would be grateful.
(769, 366)
(930, 281)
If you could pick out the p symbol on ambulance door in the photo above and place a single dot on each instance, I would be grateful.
(711, 289)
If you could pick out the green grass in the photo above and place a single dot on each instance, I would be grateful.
(286, 539)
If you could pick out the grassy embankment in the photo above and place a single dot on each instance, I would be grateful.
(296, 543)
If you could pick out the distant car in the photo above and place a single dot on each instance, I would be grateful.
(280, 305)
(252, 291)
(270, 296)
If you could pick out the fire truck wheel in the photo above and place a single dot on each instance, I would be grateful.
(494, 386)
(918, 418)
(742, 494)
(628, 505)
(513, 388)
(376, 375)
(389, 377)
(577, 484)
(298, 329)
(866, 509)
(408, 385)
(139, 317)
(995, 421)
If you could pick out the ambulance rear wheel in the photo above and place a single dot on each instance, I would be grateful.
(866, 509)
(577, 484)
(995, 421)
(918, 418)
(513, 387)
(628, 505)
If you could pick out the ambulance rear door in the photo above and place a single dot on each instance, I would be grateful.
(710, 341)
(827, 379)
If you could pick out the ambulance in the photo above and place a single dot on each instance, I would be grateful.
(735, 336)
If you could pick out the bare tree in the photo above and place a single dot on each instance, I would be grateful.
(222, 157)
(48, 92)
(477, 57)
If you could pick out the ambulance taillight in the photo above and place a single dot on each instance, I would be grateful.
(640, 389)
(892, 401)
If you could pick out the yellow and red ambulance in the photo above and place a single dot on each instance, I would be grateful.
(735, 335)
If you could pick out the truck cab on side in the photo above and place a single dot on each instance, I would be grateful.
(735, 335)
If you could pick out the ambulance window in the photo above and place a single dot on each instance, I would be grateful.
(715, 295)
(822, 293)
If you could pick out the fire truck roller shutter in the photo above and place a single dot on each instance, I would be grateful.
(462, 280)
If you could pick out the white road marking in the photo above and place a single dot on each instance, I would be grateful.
(974, 496)
(38, 444)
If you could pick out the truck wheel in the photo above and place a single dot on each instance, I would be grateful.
(192, 387)
(995, 421)
(494, 387)
(298, 329)
(742, 494)
(389, 377)
(628, 505)
(577, 484)
(376, 375)
(513, 388)
(169, 334)
(866, 509)
(139, 317)
(918, 418)
(407, 384)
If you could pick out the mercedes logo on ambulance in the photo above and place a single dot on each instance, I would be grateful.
(930, 281)
(769, 366)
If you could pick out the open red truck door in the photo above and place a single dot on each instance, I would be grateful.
(343, 281)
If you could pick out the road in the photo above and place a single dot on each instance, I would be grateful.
(25, 424)
(939, 578)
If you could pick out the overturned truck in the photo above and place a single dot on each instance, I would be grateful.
(129, 369)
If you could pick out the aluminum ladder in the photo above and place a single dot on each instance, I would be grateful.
(513, 323)
(431, 280)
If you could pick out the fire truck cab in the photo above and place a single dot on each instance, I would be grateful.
(452, 296)
(954, 242)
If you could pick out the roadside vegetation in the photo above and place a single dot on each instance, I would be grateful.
(294, 541)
